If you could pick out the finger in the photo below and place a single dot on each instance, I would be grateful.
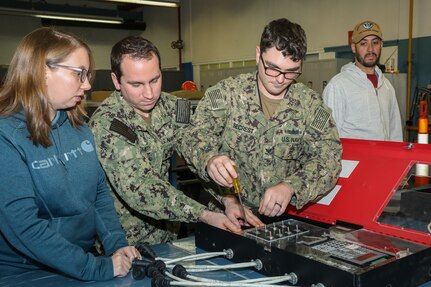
(226, 168)
(266, 211)
(225, 176)
(212, 169)
(227, 171)
(275, 209)
(231, 169)
(252, 219)
(220, 169)
(220, 175)
(217, 177)
(232, 218)
(121, 265)
(123, 272)
(133, 253)
(271, 209)
(282, 210)
(126, 265)
(229, 225)
(130, 252)
(264, 204)
(138, 255)
(126, 251)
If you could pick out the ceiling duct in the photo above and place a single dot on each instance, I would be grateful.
(68, 15)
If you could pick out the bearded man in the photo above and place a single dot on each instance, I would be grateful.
(362, 99)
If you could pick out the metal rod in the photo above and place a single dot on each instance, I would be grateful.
(409, 61)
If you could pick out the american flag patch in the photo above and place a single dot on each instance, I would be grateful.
(183, 111)
(320, 119)
(215, 97)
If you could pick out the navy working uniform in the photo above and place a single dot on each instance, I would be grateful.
(136, 158)
(298, 144)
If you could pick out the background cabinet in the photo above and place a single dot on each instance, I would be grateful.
(210, 77)
(317, 73)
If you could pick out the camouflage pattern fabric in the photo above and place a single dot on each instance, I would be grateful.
(136, 159)
(299, 144)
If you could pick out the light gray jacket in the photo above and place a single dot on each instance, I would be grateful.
(360, 110)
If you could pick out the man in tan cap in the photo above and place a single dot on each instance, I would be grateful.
(362, 100)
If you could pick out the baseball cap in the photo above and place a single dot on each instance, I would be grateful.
(365, 29)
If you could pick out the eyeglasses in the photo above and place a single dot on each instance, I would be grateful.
(289, 75)
(83, 74)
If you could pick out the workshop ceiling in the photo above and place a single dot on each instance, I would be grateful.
(113, 14)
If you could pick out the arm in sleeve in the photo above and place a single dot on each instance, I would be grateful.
(202, 139)
(395, 123)
(138, 183)
(32, 236)
(333, 99)
(320, 163)
(108, 225)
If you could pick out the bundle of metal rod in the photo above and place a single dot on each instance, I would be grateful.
(162, 277)
(164, 272)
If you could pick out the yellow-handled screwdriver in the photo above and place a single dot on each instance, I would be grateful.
(237, 190)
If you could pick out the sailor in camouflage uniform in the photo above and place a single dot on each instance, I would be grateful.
(135, 131)
(278, 133)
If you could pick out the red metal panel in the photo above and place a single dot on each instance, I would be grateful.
(363, 196)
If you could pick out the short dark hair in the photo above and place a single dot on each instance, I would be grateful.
(135, 47)
(285, 36)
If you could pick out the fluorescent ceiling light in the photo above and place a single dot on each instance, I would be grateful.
(61, 16)
(152, 3)
(79, 19)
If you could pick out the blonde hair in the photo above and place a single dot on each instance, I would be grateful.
(24, 87)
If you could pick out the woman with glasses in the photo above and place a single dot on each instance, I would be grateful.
(276, 132)
(54, 199)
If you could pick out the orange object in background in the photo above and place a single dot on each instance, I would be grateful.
(423, 120)
(189, 86)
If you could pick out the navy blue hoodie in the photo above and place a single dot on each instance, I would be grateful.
(53, 202)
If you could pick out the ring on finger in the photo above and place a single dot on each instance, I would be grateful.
(277, 204)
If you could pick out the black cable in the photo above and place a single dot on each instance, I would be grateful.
(160, 282)
(139, 268)
(139, 272)
(156, 267)
(146, 250)
(180, 271)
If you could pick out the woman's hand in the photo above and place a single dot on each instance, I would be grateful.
(122, 260)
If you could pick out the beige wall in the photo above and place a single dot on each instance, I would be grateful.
(229, 30)
(226, 30)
